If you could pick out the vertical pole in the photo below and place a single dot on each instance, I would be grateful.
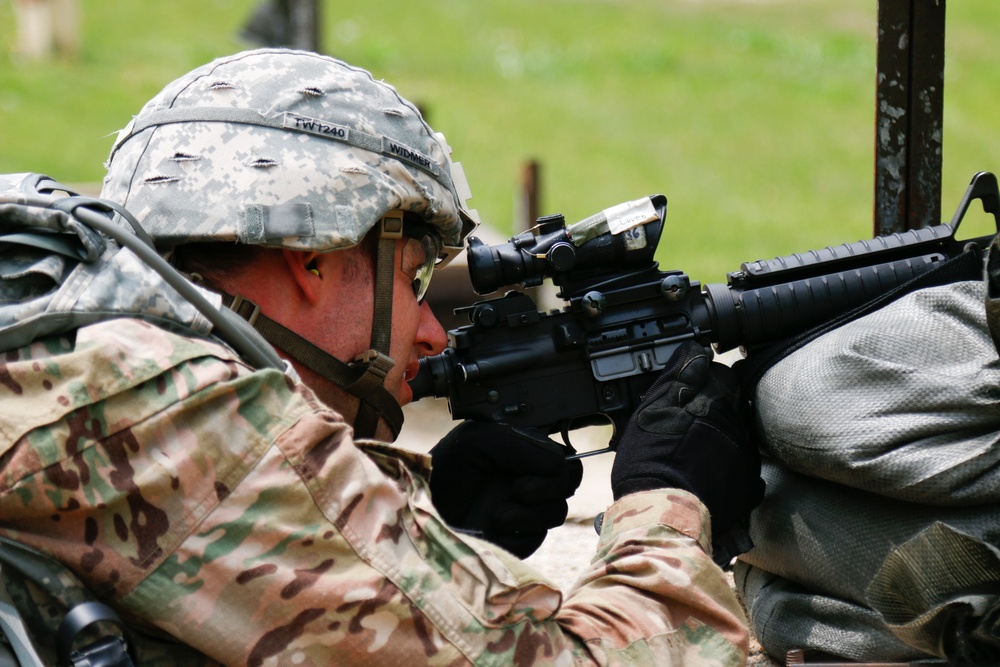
(529, 196)
(304, 17)
(34, 28)
(66, 26)
(908, 115)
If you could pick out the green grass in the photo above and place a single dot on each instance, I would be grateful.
(756, 119)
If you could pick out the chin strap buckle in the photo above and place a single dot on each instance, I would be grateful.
(376, 361)
(245, 308)
(372, 380)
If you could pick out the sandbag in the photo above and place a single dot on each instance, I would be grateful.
(878, 537)
(849, 573)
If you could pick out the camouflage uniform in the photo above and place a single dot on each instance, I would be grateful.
(225, 512)
(229, 509)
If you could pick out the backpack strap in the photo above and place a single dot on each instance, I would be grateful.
(14, 630)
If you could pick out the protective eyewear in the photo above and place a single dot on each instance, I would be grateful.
(421, 251)
(420, 255)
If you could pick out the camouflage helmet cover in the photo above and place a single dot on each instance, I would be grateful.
(283, 148)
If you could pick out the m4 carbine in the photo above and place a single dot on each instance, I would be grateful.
(591, 361)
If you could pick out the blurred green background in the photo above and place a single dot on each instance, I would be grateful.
(755, 118)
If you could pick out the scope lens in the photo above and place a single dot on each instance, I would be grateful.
(484, 267)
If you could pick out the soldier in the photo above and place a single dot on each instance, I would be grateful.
(243, 515)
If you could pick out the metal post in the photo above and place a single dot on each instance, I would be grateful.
(908, 115)
(304, 18)
(288, 23)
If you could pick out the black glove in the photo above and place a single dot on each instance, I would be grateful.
(688, 434)
(506, 485)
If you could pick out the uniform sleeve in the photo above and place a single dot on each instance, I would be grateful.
(229, 510)
(653, 595)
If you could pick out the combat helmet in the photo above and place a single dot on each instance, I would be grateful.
(292, 149)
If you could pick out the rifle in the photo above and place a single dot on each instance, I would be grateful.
(591, 361)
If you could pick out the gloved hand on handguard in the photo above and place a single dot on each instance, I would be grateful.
(688, 434)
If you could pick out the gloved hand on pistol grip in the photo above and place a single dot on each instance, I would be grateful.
(507, 485)
(688, 434)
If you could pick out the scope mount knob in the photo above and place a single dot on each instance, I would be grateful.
(485, 315)
(593, 303)
(675, 287)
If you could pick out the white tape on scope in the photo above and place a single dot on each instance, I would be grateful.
(624, 217)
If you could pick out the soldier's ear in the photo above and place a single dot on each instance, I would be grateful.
(307, 272)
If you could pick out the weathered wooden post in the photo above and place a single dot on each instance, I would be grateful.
(527, 212)
(45, 27)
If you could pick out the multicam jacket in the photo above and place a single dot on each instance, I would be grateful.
(231, 518)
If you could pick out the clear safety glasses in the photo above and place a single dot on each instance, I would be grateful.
(420, 254)
(421, 250)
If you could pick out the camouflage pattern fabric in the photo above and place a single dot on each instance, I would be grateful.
(227, 509)
(45, 292)
(283, 148)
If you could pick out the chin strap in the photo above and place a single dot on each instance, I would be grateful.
(377, 360)
(364, 378)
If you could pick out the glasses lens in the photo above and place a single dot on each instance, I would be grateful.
(419, 257)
